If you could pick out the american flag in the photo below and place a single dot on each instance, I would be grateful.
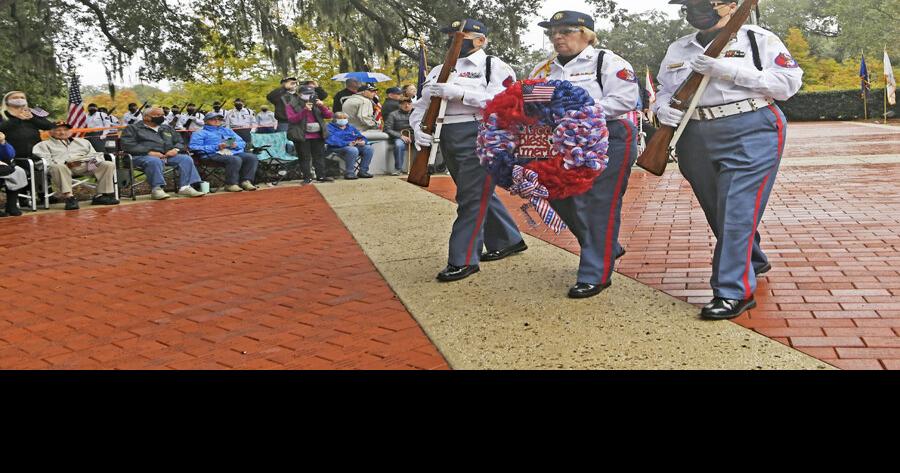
(77, 118)
(537, 93)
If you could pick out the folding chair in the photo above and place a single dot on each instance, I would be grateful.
(275, 164)
(88, 180)
(210, 171)
(36, 168)
(128, 176)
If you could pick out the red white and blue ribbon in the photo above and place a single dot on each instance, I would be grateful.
(526, 185)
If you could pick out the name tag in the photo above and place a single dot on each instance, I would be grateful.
(675, 66)
(735, 53)
(470, 75)
(582, 74)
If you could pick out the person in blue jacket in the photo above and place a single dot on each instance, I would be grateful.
(7, 168)
(219, 144)
(349, 143)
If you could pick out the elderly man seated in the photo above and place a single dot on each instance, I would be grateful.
(219, 144)
(350, 144)
(68, 157)
(154, 145)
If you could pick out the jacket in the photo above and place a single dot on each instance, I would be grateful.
(339, 100)
(207, 139)
(361, 111)
(321, 113)
(24, 134)
(390, 106)
(139, 139)
(277, 98)
(61, 152)
(397, 122)
(338, 138)
(7, 153)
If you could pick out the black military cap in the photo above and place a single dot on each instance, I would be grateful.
(472, 26)
(567, 17)
(288, 79)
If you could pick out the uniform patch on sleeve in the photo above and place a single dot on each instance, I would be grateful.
(627, 75)
(785, 60)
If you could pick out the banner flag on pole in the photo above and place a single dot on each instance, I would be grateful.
(863, 76)
(423, 66)
(889, 80)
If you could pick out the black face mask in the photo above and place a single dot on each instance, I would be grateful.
(191, 110)
(132, 110)
(158, 120)
(176, 112)
(265, 110)
(238, 106)
(702, 15)
(468, 47)
(92, 111)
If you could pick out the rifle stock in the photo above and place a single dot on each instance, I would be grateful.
(656, 155)
(418, 171)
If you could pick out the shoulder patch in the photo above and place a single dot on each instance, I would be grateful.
(627, 75)
(785, 60)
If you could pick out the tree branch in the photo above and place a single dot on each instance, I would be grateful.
(385, 27)
(104, 27)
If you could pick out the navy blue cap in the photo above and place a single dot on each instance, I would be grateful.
(567, 17)
(472, 26)
(211, 115)
(394, 90)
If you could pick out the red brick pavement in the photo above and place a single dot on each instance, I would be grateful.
(832, 234)
(264, 280)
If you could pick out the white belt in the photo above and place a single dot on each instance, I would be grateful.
(451, 119)
(730, 109)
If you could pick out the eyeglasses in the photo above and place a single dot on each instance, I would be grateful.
(562, 31)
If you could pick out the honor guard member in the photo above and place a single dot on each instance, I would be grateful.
(266, 121)
(95, 119)
(191, 119)
(595, 216)
(242, 120)
(133, 115)
(731, 148)
(109, 120)
(482, 220)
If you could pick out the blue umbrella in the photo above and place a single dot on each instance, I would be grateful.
(363, 76)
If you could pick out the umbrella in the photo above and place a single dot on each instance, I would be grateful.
(363, 76)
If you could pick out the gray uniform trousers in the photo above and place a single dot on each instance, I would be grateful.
(731, 164)
(595, 216)
(481, 219)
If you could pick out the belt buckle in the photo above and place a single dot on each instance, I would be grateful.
(702, 113)
(753, 104)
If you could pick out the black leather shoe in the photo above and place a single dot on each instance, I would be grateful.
(350, 177)
(365, 175)
(765, 269)
(500, 254)
(721, 309)
(583, 290)
(104, 199)
(71, 203)
(455, 273)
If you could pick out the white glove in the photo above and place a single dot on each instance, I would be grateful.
(447, 91)
(718, 68)
(423, 140)
(669, 116)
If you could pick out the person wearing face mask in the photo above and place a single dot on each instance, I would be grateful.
(242, 120)
(321, 94)
(281, 96)
(309, 133)
(152, 145)
(731, 149)
(22, 126)
(595, 216)
(266, 121)
(350, 144)
(361, 108)
(482, 220)
(95, 120)
(133, 115)
(352, 86)
(191, 119)
(216, 143)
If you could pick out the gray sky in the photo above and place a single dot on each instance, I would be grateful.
(92, 72)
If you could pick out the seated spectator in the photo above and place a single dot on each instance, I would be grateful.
(309, 134)
(396, 123)
(22, 125)
(266, 121)
(219, 144)
(392, 103)
(349, 143)
(410, 91)
(12, 178)
(351, 88)
(361, 109)
(69, 157)
(153, 145)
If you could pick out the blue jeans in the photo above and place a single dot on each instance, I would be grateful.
(350, 153)
(153, 168)
(239, 167)
(399, 154)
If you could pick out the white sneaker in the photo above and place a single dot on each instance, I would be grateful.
(233, 188)
(248, 186)
(159, 194)
(395, 173)
(189, 191)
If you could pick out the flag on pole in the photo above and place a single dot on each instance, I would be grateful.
(651, 93)
(863, 77)
(889, 80)
(77, 118)
(423, 66)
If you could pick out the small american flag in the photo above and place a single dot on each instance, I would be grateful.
(537, 93)
(77, 118)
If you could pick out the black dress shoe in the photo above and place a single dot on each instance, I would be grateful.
(765, 269)
(721, 309)
(350, 177)
(500, 254)
(365, 175)
(455, 273)
(583, 290)
(71, 203)
(104, 199)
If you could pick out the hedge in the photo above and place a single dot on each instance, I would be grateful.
(835, 105)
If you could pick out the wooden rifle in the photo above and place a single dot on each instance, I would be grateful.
(686, 98)
(418, 171)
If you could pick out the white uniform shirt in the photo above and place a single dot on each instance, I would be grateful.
(196, 124)
(469, 74)
(130, 119)
(620, 92)
(266, 119)
(97, 120)
(242, 118)
(111, 120)
(780, 78)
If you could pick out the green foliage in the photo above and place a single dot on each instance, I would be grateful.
(835, 105)
(643, 39)
(824, 73)
(28, 62)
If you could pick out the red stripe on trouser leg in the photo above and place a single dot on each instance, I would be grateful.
(607, 261)
(780, 126)
(485, 195)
